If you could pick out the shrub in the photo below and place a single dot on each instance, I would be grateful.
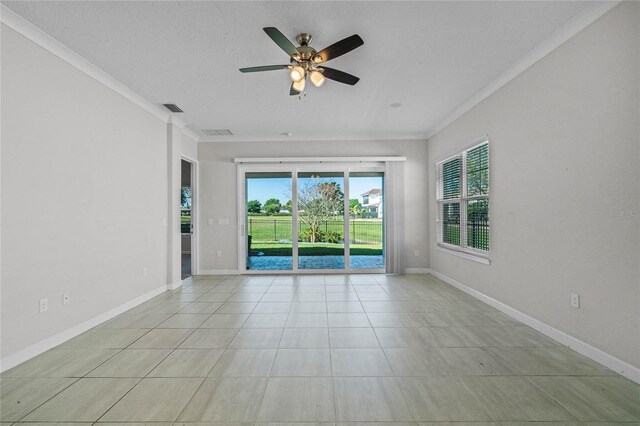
(321, 236)
(332, 237)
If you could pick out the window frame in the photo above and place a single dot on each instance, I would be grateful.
(463, 200)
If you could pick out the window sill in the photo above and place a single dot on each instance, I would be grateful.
(464, 255)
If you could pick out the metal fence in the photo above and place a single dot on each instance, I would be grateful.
(273, 230)
(477, 233)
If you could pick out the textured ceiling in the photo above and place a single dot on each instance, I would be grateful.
(429, 56)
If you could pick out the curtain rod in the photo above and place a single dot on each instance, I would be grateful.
(317, 159)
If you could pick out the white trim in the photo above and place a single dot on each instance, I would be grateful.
(177, 121)
(193, 135)
(465, 147)
(571, 28)
(35, 34)
(59, 338)
(174, 286)
(279, 160)
(475, 257)
(619, 366)
(183, 127)
(219, 272)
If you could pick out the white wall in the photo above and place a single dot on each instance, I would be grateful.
(217, 183)
(84, 196)
(189, 147)
(565, 153)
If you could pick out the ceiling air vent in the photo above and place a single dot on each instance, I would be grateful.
(217, 132)
(172, 107)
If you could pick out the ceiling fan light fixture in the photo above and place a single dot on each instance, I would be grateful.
(316, 78)
(297, 74)
(298, 86)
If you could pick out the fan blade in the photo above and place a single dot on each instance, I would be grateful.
(339, 76)
(264, 68)
(292, 91)
(340, 48)
(281, 40)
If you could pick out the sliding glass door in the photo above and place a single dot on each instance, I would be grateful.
(321, 228)
(268, 221)
(312, 219)
(366, 216)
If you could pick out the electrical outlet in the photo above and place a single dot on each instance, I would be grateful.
(219, 253)
(223, 221)
(416, 253)
(44, 305)
(66, 298)
(575, 300)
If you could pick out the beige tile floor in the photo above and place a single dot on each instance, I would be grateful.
(320, 349)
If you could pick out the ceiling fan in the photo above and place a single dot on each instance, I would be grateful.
(307, 62)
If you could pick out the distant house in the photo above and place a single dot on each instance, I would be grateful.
(372, 203)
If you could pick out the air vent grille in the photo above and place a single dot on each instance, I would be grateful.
(217, 132)
(172, 107)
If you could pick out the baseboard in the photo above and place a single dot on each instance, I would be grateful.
(619, 366)
(57, 339)
(218, 272)
(175, 285)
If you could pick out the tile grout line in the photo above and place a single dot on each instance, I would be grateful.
(142, 378)
(268, 378)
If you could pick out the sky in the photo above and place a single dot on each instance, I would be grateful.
(280, 188)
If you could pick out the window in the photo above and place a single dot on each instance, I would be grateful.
(462, 197)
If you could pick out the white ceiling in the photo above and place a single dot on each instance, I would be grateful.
(429, 56)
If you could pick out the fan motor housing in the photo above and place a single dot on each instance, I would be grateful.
(306, 52)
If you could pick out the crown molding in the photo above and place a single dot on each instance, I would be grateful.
(190, 133)
(35, 34)
(589, 15)
(177, 121)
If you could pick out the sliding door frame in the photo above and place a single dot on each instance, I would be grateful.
(294, 168)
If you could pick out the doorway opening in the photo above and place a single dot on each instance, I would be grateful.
(186, 218)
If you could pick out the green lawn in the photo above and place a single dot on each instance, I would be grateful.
(315, 249)
(278, 228)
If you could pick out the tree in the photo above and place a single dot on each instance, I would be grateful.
(478, 170)
(289, 206)
(254, 206)
(355, 208)
(185, 196)
(272, 206)
(317, 203)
